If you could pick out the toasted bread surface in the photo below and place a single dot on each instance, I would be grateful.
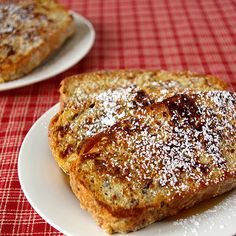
(30, 31)
(92, 102)
(150, 80)
(164, 157)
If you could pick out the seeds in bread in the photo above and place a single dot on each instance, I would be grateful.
(30, 31)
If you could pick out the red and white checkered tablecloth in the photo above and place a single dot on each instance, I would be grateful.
(173, 35)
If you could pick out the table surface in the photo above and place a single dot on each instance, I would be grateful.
(190, 35)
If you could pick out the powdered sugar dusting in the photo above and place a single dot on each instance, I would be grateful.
(111, 105)
(219, 218)
(105, 109)
(173, 150)
(94, 107)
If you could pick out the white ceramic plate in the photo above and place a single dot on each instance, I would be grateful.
(72, 51)
(48, 191)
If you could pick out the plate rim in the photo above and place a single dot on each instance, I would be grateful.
(20, 177)
(18, 83)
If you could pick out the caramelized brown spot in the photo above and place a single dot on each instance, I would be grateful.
(89, 156)
(148, 183)
(11, 51)
(69, 149)
(86, 146)
(183, 106)
(92, 105)
(203, 167)
(142, 99)
(63, 130)
(164, 114)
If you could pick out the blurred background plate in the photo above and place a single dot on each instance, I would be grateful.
(71, 52)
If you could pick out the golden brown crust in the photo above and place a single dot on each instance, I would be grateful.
(112, 224)
(69, 84)
(45, 40)
(54, 139)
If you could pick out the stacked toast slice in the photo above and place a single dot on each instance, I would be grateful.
(92, 102)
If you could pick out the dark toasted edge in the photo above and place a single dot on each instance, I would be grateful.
(12, 71)
(52, 142)
(66, 83)
(147, 215)
(69, 81)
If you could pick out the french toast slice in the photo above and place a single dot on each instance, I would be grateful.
(30, 31)
(92, 102)
(166, 157)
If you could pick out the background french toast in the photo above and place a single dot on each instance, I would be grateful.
(30, 31)
(165, 157)
(92, 102)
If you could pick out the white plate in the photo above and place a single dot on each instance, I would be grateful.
(72, 51)
(47, 189)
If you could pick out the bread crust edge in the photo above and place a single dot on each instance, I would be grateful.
(64, 93)
(112, 224)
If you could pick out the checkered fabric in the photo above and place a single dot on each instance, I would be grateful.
(190, 35)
